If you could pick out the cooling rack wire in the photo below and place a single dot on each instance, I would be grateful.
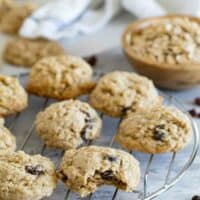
(143, 193)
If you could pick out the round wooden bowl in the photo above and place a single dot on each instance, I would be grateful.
(177, 76)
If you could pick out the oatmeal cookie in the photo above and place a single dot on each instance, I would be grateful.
(13, 19)
(60, 77)
(24, 177)
(13, 97)
(84, 169)
(68, 124)
(2, 120)
(120, 91)
(5, 6)
(7, 140)
(159, 130)
(25, 52)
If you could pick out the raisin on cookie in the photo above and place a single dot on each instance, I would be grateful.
(60, 77)
(26, 52)
(25, 177)
(158, 130)
(13, 97)
(68, 124)
(119, 91)
(84, 169)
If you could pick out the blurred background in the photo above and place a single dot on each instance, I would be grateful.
(108, 35)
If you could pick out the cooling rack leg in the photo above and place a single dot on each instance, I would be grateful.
(146, 174)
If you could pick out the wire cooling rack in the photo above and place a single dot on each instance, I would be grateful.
(159, 172)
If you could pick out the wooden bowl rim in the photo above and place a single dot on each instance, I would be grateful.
(136, 26)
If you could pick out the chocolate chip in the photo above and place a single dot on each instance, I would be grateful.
(107, 175)
(34, 170)
(111, 158)
(196, 197)
(159, 134)
(197, 101)
(92, 60)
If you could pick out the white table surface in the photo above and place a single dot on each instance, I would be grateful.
(107, 42)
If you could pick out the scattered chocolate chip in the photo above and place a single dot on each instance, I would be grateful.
(197, 101)
(193, 113)
(111, 158)
(107, 175)
(92, 60)
(35, 170)
(196, 197)
(159, 134)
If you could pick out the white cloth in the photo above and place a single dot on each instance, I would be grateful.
(67, 18)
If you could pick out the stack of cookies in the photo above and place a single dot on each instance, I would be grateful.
(147, 125)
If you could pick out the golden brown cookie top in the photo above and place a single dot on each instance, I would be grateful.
(158, 130)
(26, 52)
(84, 169)
(13, 97)
(60, 77)
(119, 91)
(33, 177)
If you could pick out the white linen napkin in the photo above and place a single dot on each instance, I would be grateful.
(67, 18)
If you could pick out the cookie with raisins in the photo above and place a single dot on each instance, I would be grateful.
(158, 130)
(25, 177)
(68, 124)
(85, 169)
